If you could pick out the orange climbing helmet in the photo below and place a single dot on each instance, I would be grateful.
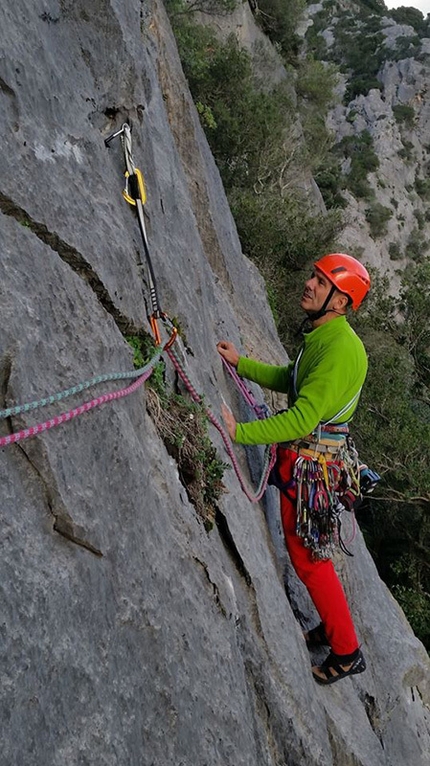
(348, 275)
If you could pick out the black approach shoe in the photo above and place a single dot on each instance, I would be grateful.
(335, 667)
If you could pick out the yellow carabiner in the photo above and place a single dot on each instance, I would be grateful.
(140, 186)
(323, 463)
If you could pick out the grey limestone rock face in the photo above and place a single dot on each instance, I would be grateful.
(130, 635)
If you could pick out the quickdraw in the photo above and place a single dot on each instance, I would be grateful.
(134, 193)
(317, 523)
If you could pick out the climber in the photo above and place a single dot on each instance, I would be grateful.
(323, 387)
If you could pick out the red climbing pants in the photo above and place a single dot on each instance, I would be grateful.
(319, 576)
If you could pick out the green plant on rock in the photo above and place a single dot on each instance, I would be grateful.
(279, 19)
(182, 425)
(422, 187)
(315, 90)
(211, 7)
(420, 218)
(377, 216)
(363, 160)
(275, 231)
(404, 114)
(417, 246)
(394, 251)
(243, 124)
(143, 349)
(416, 605)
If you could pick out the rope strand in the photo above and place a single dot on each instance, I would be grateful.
(64, 417)
(60, 395)
(270, 454)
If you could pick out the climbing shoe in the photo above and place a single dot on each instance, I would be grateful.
(337, 666)
(316, 637)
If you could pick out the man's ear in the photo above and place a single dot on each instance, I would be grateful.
(340, 301)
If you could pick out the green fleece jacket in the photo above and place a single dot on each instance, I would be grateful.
(331, 371)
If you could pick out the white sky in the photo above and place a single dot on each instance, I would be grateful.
(422, 5)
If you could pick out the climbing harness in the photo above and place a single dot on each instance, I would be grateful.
(325, 481)
(323, 472)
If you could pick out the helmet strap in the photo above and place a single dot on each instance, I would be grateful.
(314, 315)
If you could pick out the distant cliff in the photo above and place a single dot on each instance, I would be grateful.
(384, 92)
(131, 635)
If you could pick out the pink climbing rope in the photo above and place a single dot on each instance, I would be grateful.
(246, 393)
(66, 416)
(254, 498)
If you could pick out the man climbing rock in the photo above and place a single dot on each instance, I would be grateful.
(314, 468)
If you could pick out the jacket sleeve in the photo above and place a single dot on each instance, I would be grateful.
(322, 394)
(271, 376)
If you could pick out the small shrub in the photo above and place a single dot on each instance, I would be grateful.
(377, 217)
(394, 251)
(416, 606)
(277, 230)
(279, 19)
(406, 152)
(364, 160)
(417, 246)
(182, 425)
(420, 218)
(404, 114)
(422, 187)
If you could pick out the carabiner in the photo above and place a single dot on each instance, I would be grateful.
(137, 185)
(155, 329)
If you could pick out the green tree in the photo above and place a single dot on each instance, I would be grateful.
(363, 160)
(279, 19)
(404, 114)
(412, 16)
(377, 216)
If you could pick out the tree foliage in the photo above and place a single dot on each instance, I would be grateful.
(413, 17)
(358, 149)
(279, 19)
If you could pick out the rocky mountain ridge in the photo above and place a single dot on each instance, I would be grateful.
(401, 140)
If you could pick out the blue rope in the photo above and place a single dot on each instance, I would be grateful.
(80, 387)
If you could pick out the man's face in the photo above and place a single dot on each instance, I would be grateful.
(316, 290)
